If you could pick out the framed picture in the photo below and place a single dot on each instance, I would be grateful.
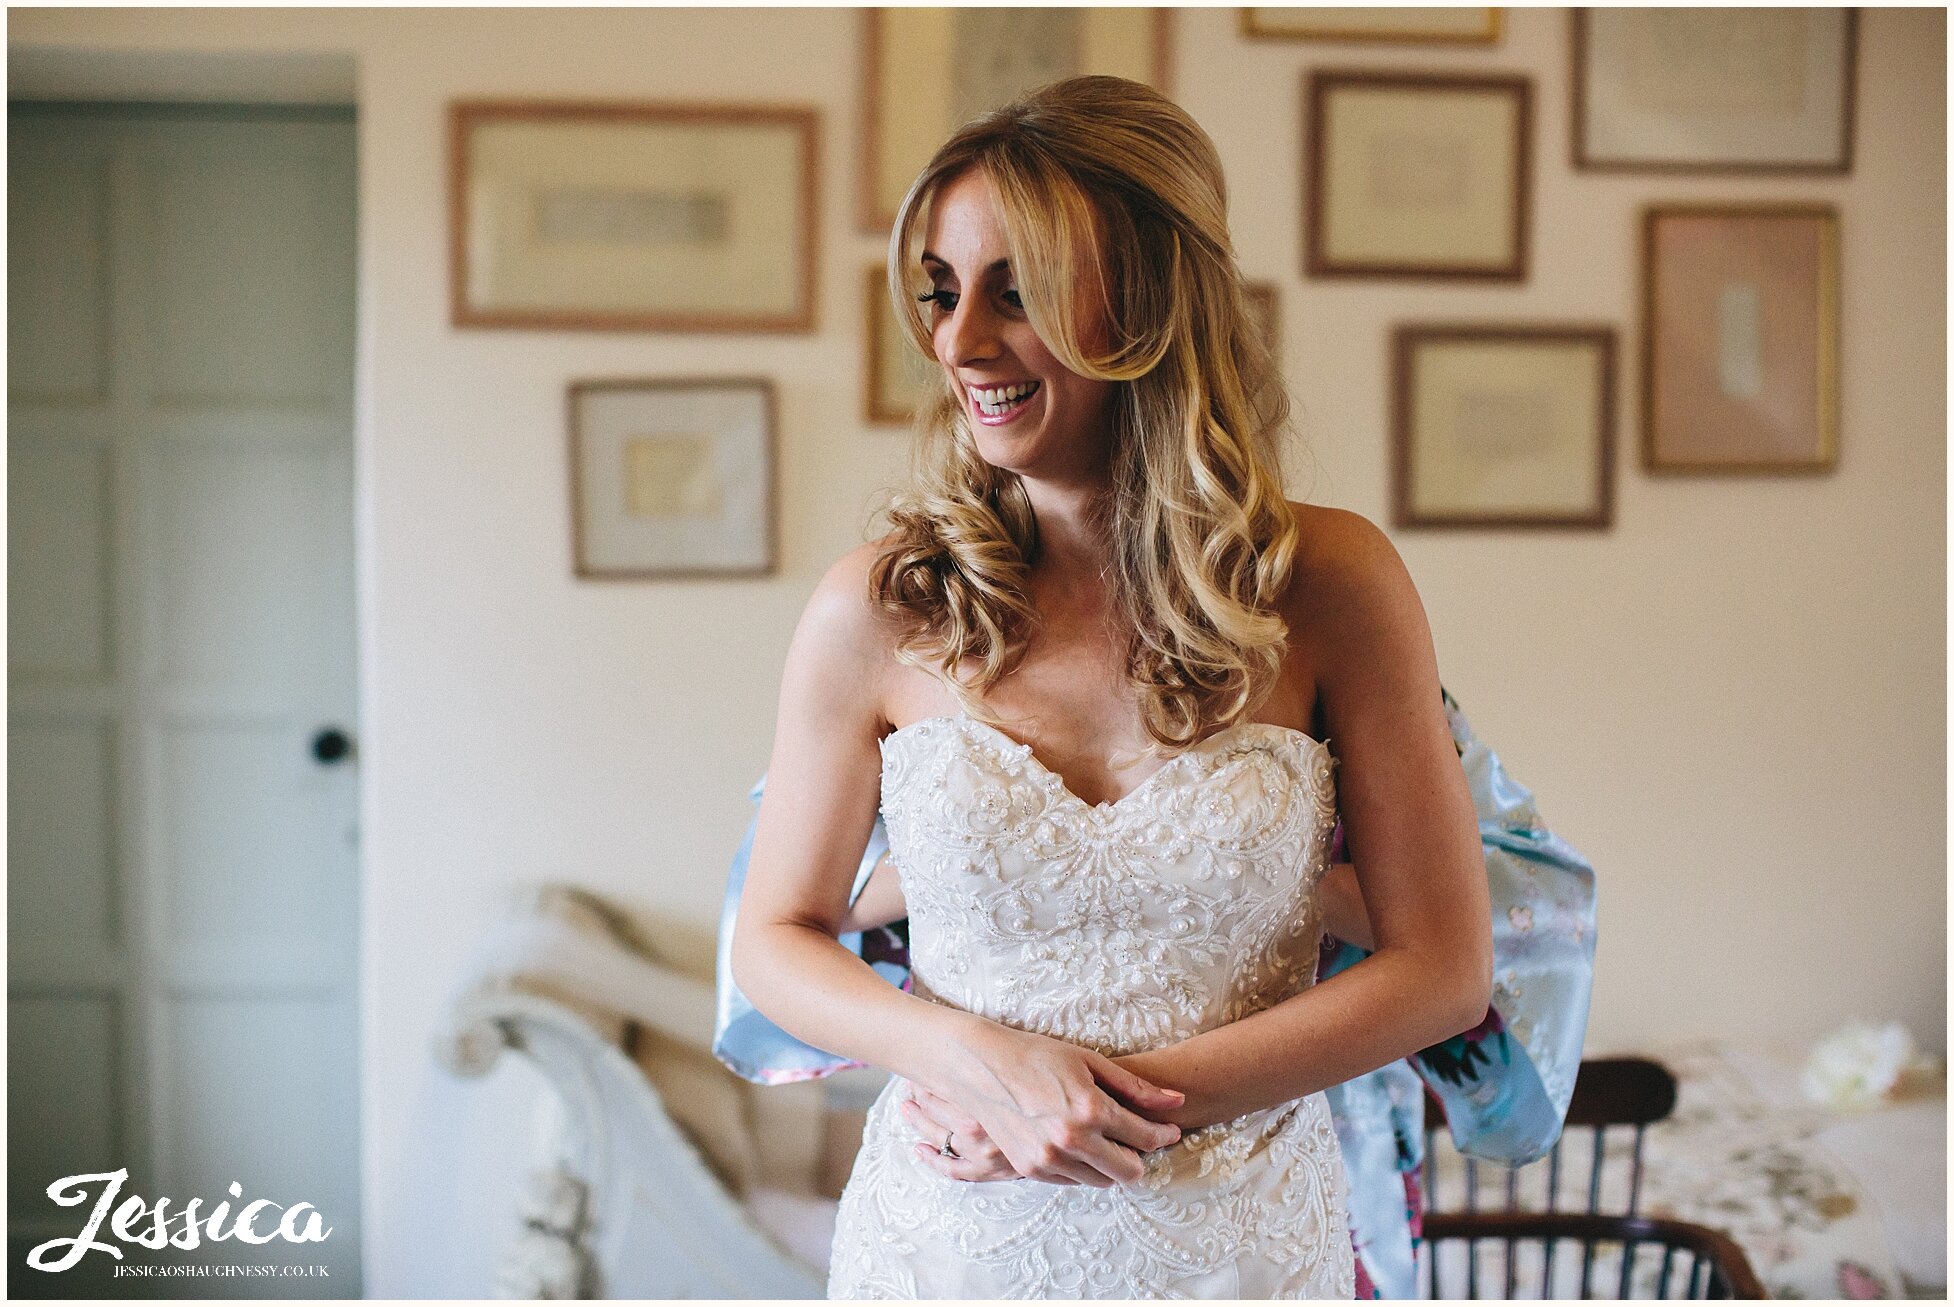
(897, 376)
(1410, 24)
(1500, 425)
(1740, 337)
(915, 93)
(649, 217)
(1266, 305)
(1417, 175)
(672, 477)
(1714, 90)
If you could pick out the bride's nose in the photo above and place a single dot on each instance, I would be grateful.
(969, 335)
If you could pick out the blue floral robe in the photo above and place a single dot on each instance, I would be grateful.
(1505, 1083)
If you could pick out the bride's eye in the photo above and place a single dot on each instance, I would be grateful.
(937, 297)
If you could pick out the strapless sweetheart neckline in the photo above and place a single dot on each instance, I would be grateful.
(1024, 751)
(1189, 903)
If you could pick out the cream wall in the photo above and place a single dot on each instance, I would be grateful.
(1733, 701)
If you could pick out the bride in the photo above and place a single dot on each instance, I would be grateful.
(1090, 679)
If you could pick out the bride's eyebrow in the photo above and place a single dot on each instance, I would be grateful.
(939, 261)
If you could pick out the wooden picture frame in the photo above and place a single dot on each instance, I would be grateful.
(1740, 338)
(1409, 25)
(1757, 91)
(896, 377)
(1503, 425)
(1446, 195)
(619, 216)
(914, 96)
(1265, 303)
(673, 477)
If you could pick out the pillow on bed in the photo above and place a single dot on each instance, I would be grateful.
(776, 1136)
(706, 1103)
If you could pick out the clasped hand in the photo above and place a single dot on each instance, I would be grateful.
(1038, 1108)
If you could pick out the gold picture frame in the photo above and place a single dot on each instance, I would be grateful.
(897, 377)
(1417, 175)
(1409, 25)
(1740, 337)
(673, 477)
(1503, 425)
(1265, 303)
(616, 216)
(1748, 91)
(914, 94)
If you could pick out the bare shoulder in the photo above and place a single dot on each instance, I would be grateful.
(1337, 545)
(843, 642)
(1355, 616)
(822, 777)
(1351, 603)
(1342, 559)
(841, 596)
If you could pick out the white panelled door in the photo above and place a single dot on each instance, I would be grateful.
(182, 796)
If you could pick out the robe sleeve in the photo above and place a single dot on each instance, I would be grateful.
(749, 1044)
(1505, 1084)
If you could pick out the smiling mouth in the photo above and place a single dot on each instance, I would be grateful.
(1003, 403)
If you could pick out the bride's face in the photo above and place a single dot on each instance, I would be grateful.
(1029, 412)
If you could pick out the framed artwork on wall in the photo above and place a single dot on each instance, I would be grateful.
(672, 478)
(928, 70)
(1412, 24)
(1740, 337)
(1417, 175)
(898, 377)
(1503, 425)
(1266, 305)
(1766, 90)
(617, 216)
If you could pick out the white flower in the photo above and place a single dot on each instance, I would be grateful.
(1857, 1065)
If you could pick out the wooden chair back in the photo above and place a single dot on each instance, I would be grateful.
(1612, 1094)
(1670, 1259)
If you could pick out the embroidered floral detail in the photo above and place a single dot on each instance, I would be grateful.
(1186, 904)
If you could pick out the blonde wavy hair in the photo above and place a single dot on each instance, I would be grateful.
(1110, 191)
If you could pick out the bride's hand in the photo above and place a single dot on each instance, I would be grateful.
(934, 1117)
(977, 1157)
(1049, 1109)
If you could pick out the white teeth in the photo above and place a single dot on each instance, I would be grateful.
(998, 400)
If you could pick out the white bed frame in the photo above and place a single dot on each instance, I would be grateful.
(627, 1208)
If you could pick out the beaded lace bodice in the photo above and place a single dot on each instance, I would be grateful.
(1187, 904)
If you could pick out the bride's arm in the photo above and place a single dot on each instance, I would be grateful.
(816, 814)
(1342, 903)
(1414, 839)
(880, 903)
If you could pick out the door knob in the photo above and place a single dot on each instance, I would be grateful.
(331, 745)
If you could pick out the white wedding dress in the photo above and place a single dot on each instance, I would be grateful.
(1185, 905)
